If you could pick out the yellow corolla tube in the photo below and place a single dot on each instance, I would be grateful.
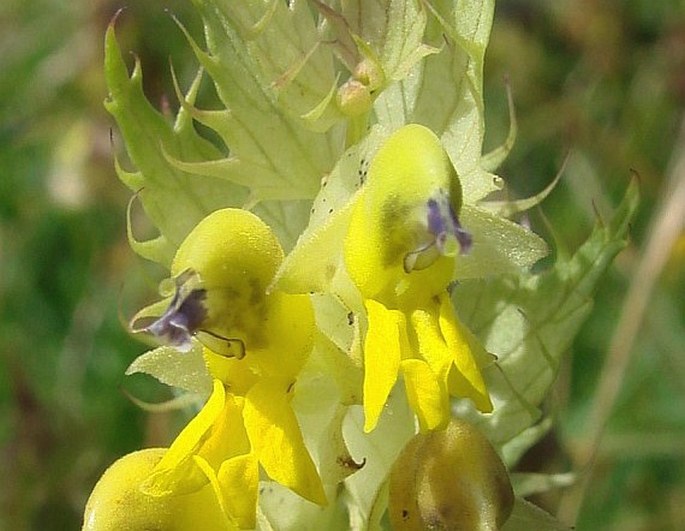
(400, 251)
(255, 344)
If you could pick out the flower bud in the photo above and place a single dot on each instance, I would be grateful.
(117, 502)
(370, 73)
(449, 480)
(353, 98)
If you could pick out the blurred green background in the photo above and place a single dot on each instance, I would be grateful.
(601, 80)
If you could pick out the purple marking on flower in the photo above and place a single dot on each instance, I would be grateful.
(443, 223)
(182, 318)
(463, 236)
(436, 221)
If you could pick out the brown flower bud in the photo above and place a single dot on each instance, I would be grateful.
(450, 479)
(353, 98)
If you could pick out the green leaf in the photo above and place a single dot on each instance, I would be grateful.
(509, 208)
(445, 91)
(173, 199)
(492, 160)
(513, 450)
(393, 29)
(286, 218)
(378, 449)
(280, 508)
(185, 370)
(499, 245)
(286, 55)
(528, 484)
(529, 322)
(317, 256)
(320, 402)
(527, 516)
(272, 151)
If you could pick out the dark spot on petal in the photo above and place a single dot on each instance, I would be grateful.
(399, 237)
(347, 462)
(256, 292)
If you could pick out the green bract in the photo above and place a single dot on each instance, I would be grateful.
(338, 281)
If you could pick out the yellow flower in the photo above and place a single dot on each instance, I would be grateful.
(256, 343)
(400, 252)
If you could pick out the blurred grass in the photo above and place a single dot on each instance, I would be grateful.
(605, 80)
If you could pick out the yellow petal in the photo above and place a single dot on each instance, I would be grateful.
(195, 432)
(465, 379)
(228, 437)
(383, 347)
(176, 472)
(210, 474)
(277, 441)
(289, 337)
(431, 344)
(237, 374)
(239, 483)
(184, 478)
(361, 249)
(425, 395)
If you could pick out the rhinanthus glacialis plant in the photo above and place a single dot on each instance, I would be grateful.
(357, 321)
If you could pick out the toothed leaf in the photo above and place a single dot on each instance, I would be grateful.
(529, 321)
